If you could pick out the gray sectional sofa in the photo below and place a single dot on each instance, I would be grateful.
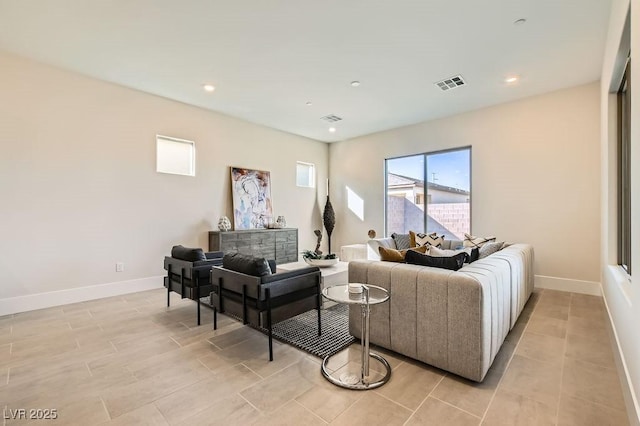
(456, 321)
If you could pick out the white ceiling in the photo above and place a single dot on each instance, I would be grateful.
(267, 58)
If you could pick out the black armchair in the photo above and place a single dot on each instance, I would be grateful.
(248, 288)
(189, 273)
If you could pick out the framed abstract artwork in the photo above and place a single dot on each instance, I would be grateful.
(251, 190)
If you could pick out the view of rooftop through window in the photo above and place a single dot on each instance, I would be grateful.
(448, 193)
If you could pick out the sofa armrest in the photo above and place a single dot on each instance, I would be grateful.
(372, 247)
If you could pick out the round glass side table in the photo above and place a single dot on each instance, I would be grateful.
(369, 295)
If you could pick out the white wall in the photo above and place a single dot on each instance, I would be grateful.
(535, 178)
(621, 292)
(78, 186)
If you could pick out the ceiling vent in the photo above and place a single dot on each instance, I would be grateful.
(331, 118)
(450, 83)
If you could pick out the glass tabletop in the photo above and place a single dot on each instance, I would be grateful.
(341, 294)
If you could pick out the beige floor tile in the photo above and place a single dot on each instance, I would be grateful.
(542, 347)
(410, 384)
(533, 379)
(547, 326)
(80, 412)
(230, 411)
(592, 383)
(587, 327)
(578, 412)
(373, 409)
(147, 415)
(234, 337)
(328, 401)
(122, 399)
(593, 349)
(190, 400)
(434, 412)
(587, 301)
(276, 390)
(587, 312)
(560, 312)
(283, 356)
(554, 297)
(467, 395)
(292, 414)
(510, 409)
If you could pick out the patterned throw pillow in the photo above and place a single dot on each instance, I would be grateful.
(490, 248)
(471, 241)
(419, 239)
(402, 241)
(391, 255)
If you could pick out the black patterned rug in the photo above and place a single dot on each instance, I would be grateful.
(301, 331)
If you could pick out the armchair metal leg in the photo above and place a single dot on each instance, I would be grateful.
(168, 286)
(215, 319)
(244, 305)
(268, 296)
(318, 305)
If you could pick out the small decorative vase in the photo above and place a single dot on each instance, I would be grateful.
(224, 224)
(282, 223)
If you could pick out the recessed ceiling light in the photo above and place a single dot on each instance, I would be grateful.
(520, 21)
(309, 103)
(355, 83)
(332, 129)
(511, 79)
(208, 87)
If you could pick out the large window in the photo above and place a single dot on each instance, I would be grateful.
(429, 192)
(624, 170)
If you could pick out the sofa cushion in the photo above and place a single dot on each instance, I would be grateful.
(391, 255)
(473, 253)
(490, 248)
(473, 241)
(452, 263)
(188, 254)
(249, 265)
(418, 239)
(403, 241)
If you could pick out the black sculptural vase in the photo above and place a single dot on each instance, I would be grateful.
(329, 219)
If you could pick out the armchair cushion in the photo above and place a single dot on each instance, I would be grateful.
(214, 255)
(188, 254)
(289, 274)
(249, 265)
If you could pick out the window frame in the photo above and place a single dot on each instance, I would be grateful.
(425, 174)
(624, 169)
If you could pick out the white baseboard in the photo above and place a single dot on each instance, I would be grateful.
(31, 302)
(564, 284)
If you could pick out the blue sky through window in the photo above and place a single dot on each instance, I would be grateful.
(447, 168)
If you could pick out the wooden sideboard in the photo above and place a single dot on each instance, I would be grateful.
(278, 244)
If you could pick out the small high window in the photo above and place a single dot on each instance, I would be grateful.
(175, 156)
(305, 175)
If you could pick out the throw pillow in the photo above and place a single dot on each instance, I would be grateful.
(249, 265)
(452, 263)
(403, 241)
(188, 254)
(391, 255)
(419, 239)
(438, 252)
(472, 241)
(489, 248)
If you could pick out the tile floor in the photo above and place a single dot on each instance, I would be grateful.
(131, 361)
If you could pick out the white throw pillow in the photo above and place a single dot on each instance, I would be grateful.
(426, 239)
